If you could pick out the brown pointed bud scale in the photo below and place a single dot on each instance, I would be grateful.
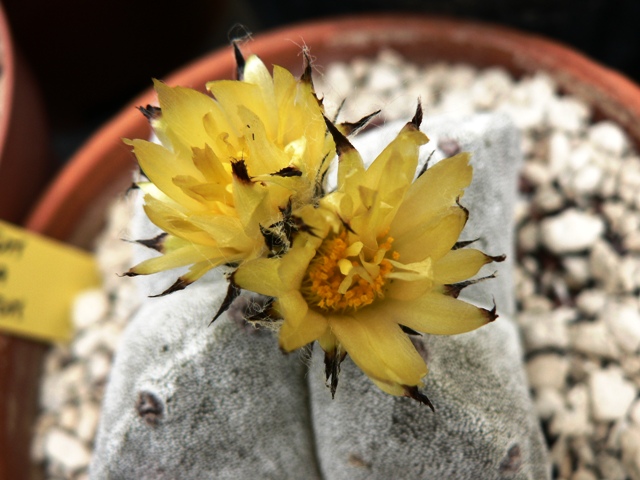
(179, 284)
(342, 144)
(348, 128)
(156, 243)
(150, 112)
(232, 293)
(240, 172)
(240, 61)
(413, 392)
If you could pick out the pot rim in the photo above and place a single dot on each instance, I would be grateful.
(610, 93)
(9, 73)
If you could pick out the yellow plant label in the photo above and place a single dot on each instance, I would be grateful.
(39, 279)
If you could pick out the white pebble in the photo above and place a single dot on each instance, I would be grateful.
(579, 157)
(629, 274)
(58, 356)
(584, 474)
(581, 446)
(360, 67)
(608, 186)
(605, 265)
(525, 116)
(536, 173)
(577, 271)
(383, 77)
(89, 307)
(630, 441)
(527, 102)
(88, 422)
(338, 80)
(559, 151)
(611, 394)
(624, 323)
(609, 137)
(63, 387)
(548, 198)
(630, 223)
(96, 337)
(631, 366)
(392, 58)
(610, 467)
(587, 180)
(456, 102)
(44, 423)
(87, 342)
(99, 366)
(614, 211)
(635, 413)
(525, 284)
(66, 450)
(547, 371)
(402, 107)
(528, 237)
(571, 231)
(548, 402)
(128, 300)
(615, 433)
(593, 338)
(461, 76)
(490, 87)
(536, 303)
(632, 242)
(546, 329)
(568, 114)
(68, 417)
(591, 302)
(573, 420)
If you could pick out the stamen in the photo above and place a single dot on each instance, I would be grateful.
(335, 280)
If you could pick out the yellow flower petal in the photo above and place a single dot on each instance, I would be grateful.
(459, 265)
(179, 258)
(380, 348)
(435, 190)
(302, 325)
(265, 156)
(255, 72)
(251, 205)
(196, 272)
(407, 289)
(395, 167)
(275, 277)
(174, 222)
(432, 313)
(431, 240)
(160, 166)
(183, 111)
(296, 100)
(230, 94)
(210, 165)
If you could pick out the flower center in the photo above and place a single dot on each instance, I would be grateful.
(339, 278)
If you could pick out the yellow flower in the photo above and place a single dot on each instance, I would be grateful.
(229, 166)
(379, 259)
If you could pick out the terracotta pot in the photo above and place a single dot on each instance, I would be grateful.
(25, 159)
(72, 207)
(25, 155)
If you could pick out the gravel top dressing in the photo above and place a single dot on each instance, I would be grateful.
(577, 268)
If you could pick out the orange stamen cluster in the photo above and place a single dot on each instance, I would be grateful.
(323, 277)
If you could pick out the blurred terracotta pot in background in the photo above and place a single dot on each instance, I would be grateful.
(25, 156)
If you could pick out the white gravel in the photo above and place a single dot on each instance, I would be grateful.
(577, 274)
(571, 231)
(611, 394)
